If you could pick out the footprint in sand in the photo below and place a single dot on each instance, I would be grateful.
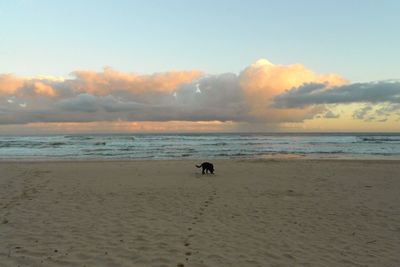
(196, 219)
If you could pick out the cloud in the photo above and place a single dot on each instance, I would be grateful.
(9, 84)
(12, 85)
(43, 89)
(377, 112)
(263, 81)
(381, 99)
(263, 93)
(109, 80)
(111, 96)
(330, 115)
(361, 114)
(322, 93)
(89, 103)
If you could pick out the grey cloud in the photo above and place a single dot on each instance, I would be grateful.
(319, 93)
(90, 103)
(386, 110)
(80, 103)
(215, 97)
(331, 115)
(379, 113)
(363, 113)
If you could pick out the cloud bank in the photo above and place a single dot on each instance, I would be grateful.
(380, 99)
(262, 93)
(322, 93)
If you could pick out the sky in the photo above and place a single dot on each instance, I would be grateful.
(171, 66)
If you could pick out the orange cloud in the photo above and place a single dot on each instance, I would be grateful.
(44, 89)
(13, 85)
(9, 84)
(103, 83)
(262, 81)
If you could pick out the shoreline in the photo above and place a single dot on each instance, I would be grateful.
(277, 157)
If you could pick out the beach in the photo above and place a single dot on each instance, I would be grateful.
(260, 212)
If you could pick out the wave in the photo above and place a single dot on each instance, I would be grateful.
(100, 144)
(79, 137)
(223, 155)
(196, 146)
(126, 149)
(97, 150)
(378, 139)
(57, 144)
(21, 144)
(216, 144)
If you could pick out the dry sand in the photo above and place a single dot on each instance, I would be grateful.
(165, 213)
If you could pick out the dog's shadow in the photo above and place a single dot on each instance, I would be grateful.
(200, 175)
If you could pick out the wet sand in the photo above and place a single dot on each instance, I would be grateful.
(165, 213)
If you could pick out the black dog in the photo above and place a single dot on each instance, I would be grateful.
(207, 167)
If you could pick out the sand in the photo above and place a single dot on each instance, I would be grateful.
(165, 213)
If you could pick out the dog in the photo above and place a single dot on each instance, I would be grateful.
(207, 167)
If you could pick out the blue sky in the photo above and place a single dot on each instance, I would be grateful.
(357, 39)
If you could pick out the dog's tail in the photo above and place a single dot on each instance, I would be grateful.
(199, 166)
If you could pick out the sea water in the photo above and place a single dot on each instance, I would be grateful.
(200, 146)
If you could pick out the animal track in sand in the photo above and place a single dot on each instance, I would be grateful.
(202, 209)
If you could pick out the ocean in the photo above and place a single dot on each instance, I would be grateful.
(200, 146)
